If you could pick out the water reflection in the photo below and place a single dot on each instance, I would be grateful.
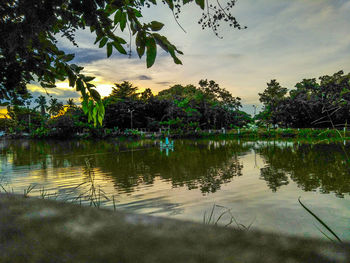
(256, 179)
(312, 167)
(203, 164)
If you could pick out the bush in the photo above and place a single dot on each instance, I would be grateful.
(7, 124)
(40, 132)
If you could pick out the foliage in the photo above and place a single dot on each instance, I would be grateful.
(40, 132)
(123, 91)
(6, 124)
(55, 107)
(179, 107)
(183, 109)
(42, 104)
(29, 50)
(71, 103)
(271, 97)
(26, 119)
(311, 104)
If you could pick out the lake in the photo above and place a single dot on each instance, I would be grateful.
(254, 182)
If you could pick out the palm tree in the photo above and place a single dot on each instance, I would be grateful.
(55, 107)
(70, 103)
(41, 100)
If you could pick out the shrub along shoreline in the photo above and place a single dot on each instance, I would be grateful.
(260, 133)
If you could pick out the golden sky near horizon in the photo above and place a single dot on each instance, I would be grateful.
(3, 112)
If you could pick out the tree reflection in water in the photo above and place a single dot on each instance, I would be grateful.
(197, 164)
(312, 167)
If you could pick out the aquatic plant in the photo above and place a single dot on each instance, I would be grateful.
(322, 223)
(211, 220)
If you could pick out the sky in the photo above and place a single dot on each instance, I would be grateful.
(287, 40)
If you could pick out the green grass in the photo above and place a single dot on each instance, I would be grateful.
(263, 133)
(322, 223)
(216, 218)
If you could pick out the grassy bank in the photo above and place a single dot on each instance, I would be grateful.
(251, 134)
(319, 134)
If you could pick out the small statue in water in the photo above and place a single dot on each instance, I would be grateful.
(166, 145)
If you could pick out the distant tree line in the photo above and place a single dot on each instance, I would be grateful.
(178, 108)
(312, 104)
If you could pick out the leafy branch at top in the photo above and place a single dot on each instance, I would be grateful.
(29, 52)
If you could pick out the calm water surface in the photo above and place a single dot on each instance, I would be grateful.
(259, 181)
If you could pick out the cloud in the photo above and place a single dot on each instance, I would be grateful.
(285, 40)
(143, 77)
(164, 83)
(137, 77)
(61, 93)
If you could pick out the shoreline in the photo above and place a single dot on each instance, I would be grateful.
(279, 133)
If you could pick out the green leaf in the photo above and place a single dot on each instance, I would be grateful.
(68, 57)
(88, 78)
(98, 38)
(140, 51)
(72, 78)
(100, 112)
(76, 68)
(109, 49)
(180, 52)
(94, 115)
(119, 47)
(137, 13)
(151, 52)
(121, 40)
(90, 110)
(123, 22)
(103, 42)
(117, 16)
(46, 85)
(100, 119)
(80, 85)
(200, 3)
(175, 58)
(110, 9)
(140, 43)
(140, 38)
(177, 61)
(102, 108)
(162, 42)
(95, 95)
(170, 4)
(84, 105)
(156, 26)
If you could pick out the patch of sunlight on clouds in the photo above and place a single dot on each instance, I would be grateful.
(102, 86)
(3, 112)
(63, 85)
(38, 89)
(104, 89)
(56, 91)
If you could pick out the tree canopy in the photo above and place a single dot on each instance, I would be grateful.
(30, 30)
(319, 104)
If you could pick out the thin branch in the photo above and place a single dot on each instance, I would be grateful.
(178, 22)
